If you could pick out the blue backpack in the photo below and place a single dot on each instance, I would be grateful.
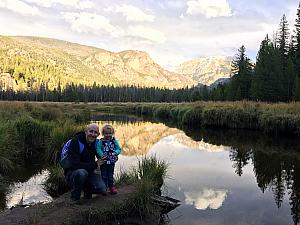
(64, 160)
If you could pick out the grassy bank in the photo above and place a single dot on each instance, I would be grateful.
(279, 118)
(29, 130)
(35, 131)
(134, 204)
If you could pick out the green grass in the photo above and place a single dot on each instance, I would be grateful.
(276, 118)
(55, 184)
(36, 130)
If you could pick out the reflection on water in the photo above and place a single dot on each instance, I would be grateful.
(138, 137)
(221, 177)
(206, 199)
(26, 193)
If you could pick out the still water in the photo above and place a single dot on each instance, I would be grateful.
(220, 177)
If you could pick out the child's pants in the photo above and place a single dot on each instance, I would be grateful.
(107, 172)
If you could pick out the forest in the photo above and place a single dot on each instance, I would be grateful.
(274, 77)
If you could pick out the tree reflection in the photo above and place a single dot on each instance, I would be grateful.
(240, 157)
(276, 161)
(276, 170)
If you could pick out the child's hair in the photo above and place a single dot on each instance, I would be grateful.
(107, 129)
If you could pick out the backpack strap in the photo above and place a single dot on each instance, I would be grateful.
(81, 147)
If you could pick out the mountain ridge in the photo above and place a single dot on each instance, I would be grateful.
(206, 70)
(35, 61)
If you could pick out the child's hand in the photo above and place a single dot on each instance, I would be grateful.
(100, 161)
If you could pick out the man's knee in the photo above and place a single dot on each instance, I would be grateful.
(79, 175)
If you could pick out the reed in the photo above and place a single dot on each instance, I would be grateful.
(55, 184)
(9, 151)
(32, 134)
(277, 118)
(58, 136)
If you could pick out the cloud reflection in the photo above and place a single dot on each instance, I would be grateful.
(181, 139)
(31, 191)
(206, 198)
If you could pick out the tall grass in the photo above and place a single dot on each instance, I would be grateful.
(9, 150)
(38, 130)
(271, 118)
(55, 184)
(32, 134)
(58, 136)
(151, 169)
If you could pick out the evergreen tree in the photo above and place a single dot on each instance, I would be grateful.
(241, 69)
(290, 75)
(266, 85)
(297, 41)
(296, 89)
(283, 39)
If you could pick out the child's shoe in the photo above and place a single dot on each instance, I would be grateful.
(113, 190)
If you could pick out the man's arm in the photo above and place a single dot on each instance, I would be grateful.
(74, 157)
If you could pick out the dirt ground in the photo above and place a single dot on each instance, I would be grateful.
(63, 211)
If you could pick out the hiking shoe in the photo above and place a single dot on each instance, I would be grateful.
(113, 190)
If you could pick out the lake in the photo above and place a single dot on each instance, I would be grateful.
(221, 177)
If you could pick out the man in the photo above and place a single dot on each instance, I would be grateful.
(81, 155)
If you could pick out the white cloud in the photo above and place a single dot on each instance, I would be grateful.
(209, 8)
(30, 191)
(85, 4)
(207, 198)
(19, 7)
(147, 33)
(90, 23)
(133, 13)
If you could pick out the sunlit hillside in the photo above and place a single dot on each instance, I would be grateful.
(34, 62)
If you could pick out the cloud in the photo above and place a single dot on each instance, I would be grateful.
(207, 198)
(31, 191)
(146, 33)
(90, 23)
(19, 7)
(209, 8)
(85, 4)
(133, 13)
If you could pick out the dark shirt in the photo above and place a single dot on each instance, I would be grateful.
(84, 160)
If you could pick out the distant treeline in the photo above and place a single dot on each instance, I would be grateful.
(275, 77)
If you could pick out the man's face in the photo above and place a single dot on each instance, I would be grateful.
(91, 133)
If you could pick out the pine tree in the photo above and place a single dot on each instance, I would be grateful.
(296, 89)
(290, 75)
(283, 39)
(241, 69)
(297, 41)
(266, 79)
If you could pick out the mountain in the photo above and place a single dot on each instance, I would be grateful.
(34, 62)
(206, 70)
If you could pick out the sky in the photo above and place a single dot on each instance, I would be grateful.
(171, 31)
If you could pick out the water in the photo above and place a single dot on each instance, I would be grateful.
(220, 177)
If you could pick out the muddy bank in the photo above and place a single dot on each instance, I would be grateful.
(109, 209)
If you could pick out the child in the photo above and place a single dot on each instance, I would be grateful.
(108, 148)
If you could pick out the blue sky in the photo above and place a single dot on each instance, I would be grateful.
(171, 31)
